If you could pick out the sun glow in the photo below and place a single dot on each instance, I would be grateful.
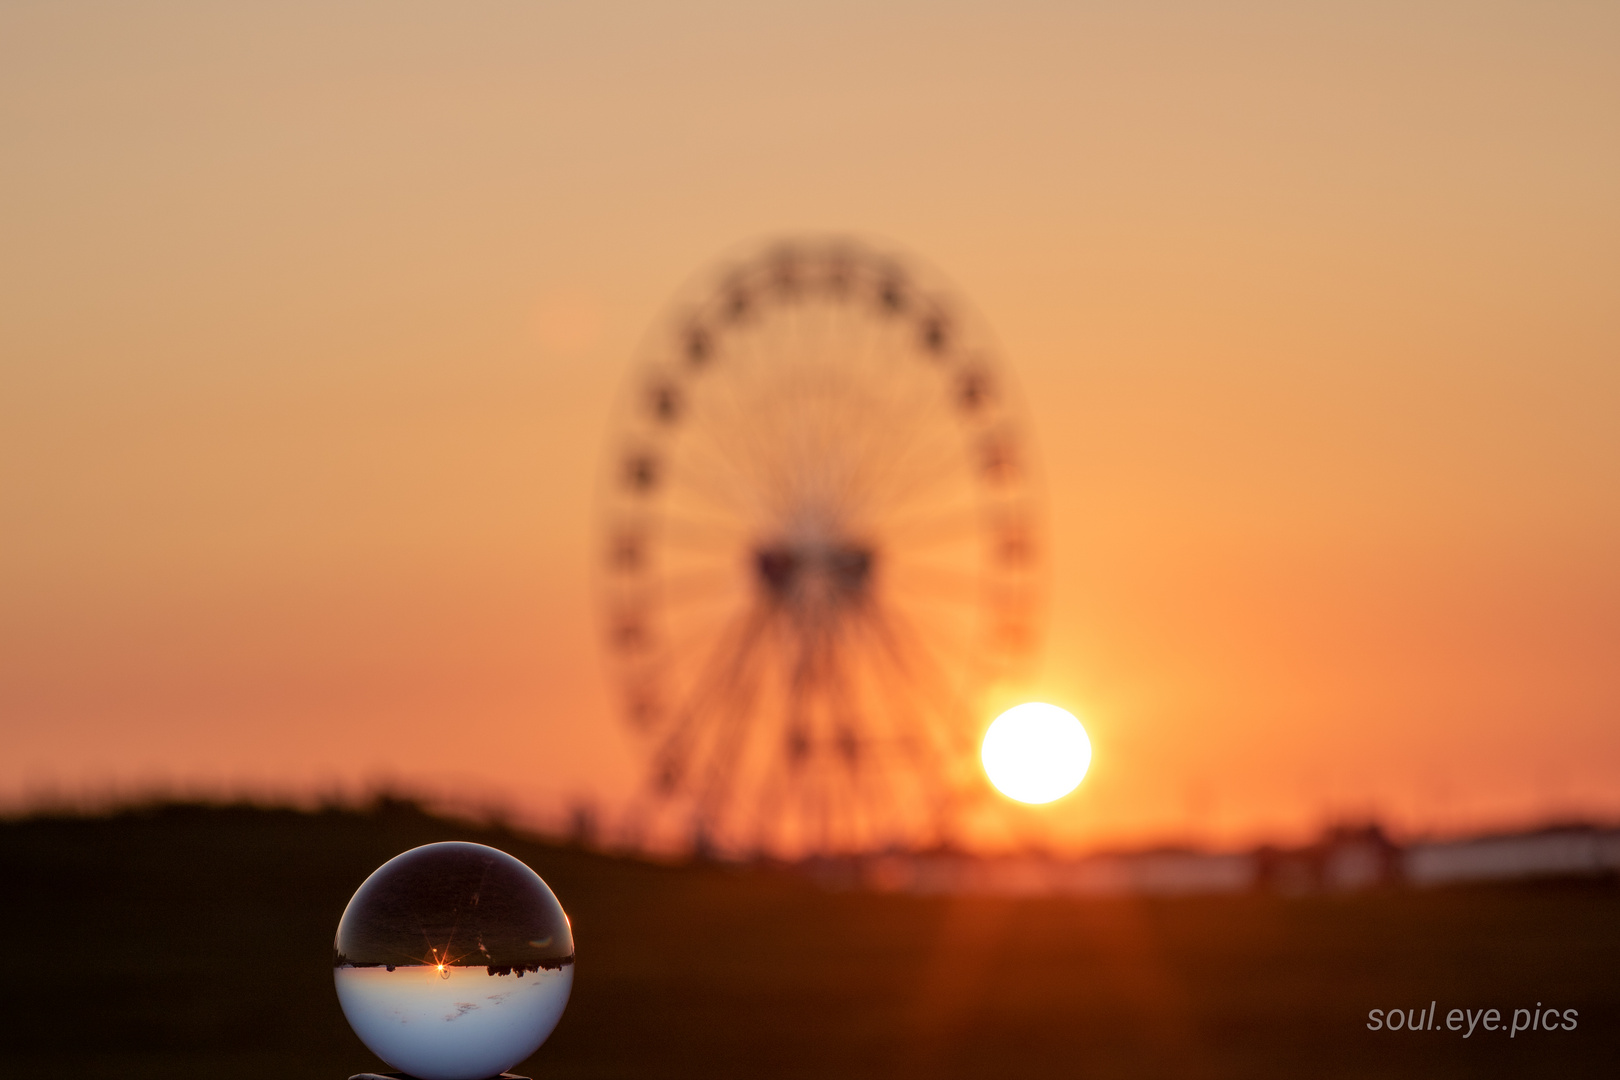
(441, 961)
(1036, 753)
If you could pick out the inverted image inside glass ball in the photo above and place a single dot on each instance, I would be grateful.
(453, 961)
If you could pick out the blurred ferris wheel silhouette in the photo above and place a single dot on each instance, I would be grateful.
(822, 546)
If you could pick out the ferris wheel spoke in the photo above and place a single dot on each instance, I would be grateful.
(731, 412)
(826, 762)
(887, 446)
(741, 419)
(694, 590)
(716, 452)
(954, 655)
(736, 450)
(920, 477)
(917, 481)
(923, 658)
(769, 804)
(730, 655)
(913, 464)
(689, 626)
(681, 529)
(831, 416)
(655, 671)
(707, 638)
(733, 714)
(869, 777)
(939, 581)
(935, 527)
(686, 617)
(914, 735)
(933, 598)
(715, 495)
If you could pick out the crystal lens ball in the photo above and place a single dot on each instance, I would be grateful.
(453, 962)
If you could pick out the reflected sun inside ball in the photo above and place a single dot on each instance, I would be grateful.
(1036, 753)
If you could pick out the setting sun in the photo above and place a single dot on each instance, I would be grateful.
(1036, 753)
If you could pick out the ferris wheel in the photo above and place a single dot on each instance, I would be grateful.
(821, 546)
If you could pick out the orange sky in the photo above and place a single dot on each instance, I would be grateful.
(311, 318)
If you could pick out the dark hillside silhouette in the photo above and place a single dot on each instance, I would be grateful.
(193, 942)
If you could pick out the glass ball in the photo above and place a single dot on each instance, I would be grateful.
(453, 961)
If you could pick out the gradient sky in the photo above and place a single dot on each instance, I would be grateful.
(312, 316)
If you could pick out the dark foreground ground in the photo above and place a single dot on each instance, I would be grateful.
(187, 942)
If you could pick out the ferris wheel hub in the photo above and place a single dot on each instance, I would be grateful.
(835, 572)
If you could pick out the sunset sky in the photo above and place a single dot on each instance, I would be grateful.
(312, 318)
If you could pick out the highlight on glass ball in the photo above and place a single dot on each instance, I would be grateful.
(1036, 753)
(453, 961)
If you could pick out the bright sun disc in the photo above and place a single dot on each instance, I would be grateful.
(1036, 752)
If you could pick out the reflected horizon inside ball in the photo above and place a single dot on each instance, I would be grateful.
(1036, 753)
(453, 961)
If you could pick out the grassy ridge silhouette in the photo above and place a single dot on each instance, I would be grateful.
(183, 941)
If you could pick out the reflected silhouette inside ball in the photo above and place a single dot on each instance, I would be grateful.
(453, 961)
